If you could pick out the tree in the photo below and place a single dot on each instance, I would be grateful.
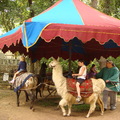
(110, 7)
(31, 10)
(86, 1)
(14, 12)
(40, 5)
(94, 3)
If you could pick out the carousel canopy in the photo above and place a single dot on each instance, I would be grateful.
(66, 20)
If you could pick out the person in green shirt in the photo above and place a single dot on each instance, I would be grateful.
(110, 74)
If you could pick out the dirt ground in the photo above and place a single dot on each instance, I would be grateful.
(9, 110)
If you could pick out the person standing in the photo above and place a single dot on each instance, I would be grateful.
(92, 72)
(81, 76)
(110, 74)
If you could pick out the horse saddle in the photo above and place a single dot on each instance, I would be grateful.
(21, 79)
(86, 87)
(22, 72)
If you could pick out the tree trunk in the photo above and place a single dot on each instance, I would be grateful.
(31, 10)
(31, 66)
(31, 15)
(94, 3)
(107, 7)
(37, 67)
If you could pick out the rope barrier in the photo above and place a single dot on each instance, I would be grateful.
(38, 86)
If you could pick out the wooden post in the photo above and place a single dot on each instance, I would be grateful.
(31, 10)
(94, 3)
(37, 67)
(31, 15)
(31, 66)
(70, 56)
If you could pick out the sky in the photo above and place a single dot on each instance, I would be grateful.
(1, 31)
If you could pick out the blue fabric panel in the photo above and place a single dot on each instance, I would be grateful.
(110, 44)
(33, 30)
(18, 88)
(10, 32)
(77, 46)
(61, 14)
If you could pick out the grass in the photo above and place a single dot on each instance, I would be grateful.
(48, 102)
(53, 102)
(80, 108)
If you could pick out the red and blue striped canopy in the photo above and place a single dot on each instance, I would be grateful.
(66, 19)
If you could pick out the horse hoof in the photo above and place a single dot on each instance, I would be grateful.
(87, 116)
(31, 107)
(64, 115)
(17, 105)
(68, 115)
(102, 113)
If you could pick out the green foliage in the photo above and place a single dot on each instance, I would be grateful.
(49, 102)
(110, 7)
(86, 1)
(95, 61)
(64, 63)
(14, 12)
(74, 64)
(3, 4)
(40, 5)
(116, 61)
(53, 102)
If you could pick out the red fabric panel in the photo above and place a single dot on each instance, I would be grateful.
(11, 39)
(92, 50)
(14, 48)
(95, 50)
(92, 16)
(52, 49)
(29, 20)
(44, 49)
(82, 32)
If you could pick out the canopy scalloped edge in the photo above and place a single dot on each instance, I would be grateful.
(11, 39)
(68, 32)
(102, 34)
